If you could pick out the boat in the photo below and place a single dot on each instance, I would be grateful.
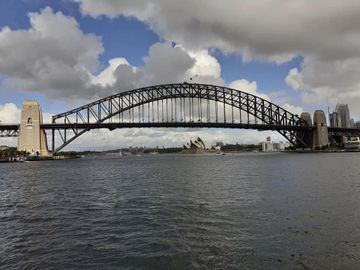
(352, 145)
(123, 153)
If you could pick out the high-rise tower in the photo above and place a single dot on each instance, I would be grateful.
(343, 115)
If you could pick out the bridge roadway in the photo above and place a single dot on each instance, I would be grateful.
(195, 124)
(11, 130)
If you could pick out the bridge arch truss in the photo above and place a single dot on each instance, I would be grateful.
(177, 105)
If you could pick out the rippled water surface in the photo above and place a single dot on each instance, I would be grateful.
(245, 211)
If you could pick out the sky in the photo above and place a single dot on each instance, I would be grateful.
(302, 55)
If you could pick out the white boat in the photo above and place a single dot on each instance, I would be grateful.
(352, 145)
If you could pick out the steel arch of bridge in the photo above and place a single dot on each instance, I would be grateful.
(187, 105)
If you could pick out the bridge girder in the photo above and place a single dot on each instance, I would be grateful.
(346, 132)
(189, 103)
(9, 131)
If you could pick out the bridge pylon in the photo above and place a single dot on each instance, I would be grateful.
(307, 135)
(317, 136)
(32, 138)
(321, 133)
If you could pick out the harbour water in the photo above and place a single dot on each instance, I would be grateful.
(241, 211)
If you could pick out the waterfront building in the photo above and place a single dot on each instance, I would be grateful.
(267, 146)
(220, 144)
(198, 147)
(280, 146)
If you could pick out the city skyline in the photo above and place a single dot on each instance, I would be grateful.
(342, 117)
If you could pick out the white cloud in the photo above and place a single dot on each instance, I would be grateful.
(251, 88)
(293, 109)
(9, 113)
(248, 87)
(328, 81)
(294, 79)
(53, 56)
(165, 63)
(206, 68)
(205, 64)
(106, 77)
(273, 30)
(62, 61)
(324, 33)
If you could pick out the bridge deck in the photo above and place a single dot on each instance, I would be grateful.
(9, 130)
(4, 127)
(335, 131)
(332, 130)
(112, 126)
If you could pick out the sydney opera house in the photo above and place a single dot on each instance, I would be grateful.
(198, 147)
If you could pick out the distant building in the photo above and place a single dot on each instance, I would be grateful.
(334, 120)
(343, 115)
(267, 145)
(357, 124)
(340, 117)
(198, 147)
(280, 146)
(196, 144)
(352, 123)
(220, 144)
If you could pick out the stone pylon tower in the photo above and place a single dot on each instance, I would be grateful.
(32, 138)
(308, 136)
(321, 134)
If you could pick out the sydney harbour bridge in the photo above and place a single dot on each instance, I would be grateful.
(180, 105)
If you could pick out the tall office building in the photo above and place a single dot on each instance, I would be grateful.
(352, 123)
(334, 120)
(343, 113)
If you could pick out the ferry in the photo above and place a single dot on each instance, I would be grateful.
(352, 145)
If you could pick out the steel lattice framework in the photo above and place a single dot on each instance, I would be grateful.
(9, 130)
(178, 105)
(347, 132)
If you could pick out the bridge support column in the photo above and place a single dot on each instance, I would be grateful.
(32, 138)
(307, 136)
(321, 134)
